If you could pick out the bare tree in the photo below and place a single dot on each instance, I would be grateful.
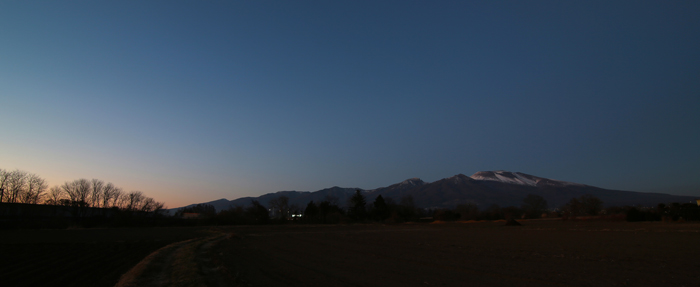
(121, 200)
(96, 192)
(16, 184)
(158, 207)
(83, 190)
(108, 193)
(134, 199)
(147, 204)
(20, 186)
(55, 195)
(4, 176)
(35, 187)
(117, 198)
(78, 191)
(68, 188)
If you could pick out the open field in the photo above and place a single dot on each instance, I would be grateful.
(538, 253)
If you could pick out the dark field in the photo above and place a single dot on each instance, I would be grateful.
(539, 253)
(79, 257)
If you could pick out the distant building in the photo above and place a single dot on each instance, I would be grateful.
(698, 201)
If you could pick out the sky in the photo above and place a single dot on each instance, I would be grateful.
(193, 101)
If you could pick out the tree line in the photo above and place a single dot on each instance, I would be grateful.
(19, 186)
(387, 211)
(327, 211)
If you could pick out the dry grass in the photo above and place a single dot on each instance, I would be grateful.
(179, 265)
(148, 272)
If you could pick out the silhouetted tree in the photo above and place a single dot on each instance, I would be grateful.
(233, 215)
(55, 195)
(120, 199)
(85, 197)
(380, 210)
(205, 210)
(96, 190)
(406, 210)
(34, 190)
(4, 176)
(591, 205)
(357, 210)
(534, 206)
(467, 211)
(16, 185)
(280, 207)
(78, 191)
(148, 205)
(311, 211)
(158, 208)
(332, 200)
(585, 205)
(493, 212)
(684, 211)
(329, 212)
(257, 213)
(109, 191)
(134, 199)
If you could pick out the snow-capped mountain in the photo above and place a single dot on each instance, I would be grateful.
(483, 188)
(519, 178)
(412, 182)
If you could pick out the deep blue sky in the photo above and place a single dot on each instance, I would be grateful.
(191, 101)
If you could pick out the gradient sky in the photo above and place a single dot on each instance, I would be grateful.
(192, 101)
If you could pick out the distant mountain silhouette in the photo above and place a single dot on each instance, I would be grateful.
(395, 191)
(483, 188)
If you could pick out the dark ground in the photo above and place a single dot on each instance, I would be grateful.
(79, 257)
(538, 253)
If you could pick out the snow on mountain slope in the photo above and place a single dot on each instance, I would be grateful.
(506, 177)
(457, 179)
(412, 182)
(518, 178)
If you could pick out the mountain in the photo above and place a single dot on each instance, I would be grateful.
(395, 191)
(519, 178)
(506, 188)
(483, 188)
(337, 195)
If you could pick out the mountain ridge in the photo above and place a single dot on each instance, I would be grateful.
(483, 188)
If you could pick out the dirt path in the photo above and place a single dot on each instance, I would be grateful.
(95, 257)
(183, 264)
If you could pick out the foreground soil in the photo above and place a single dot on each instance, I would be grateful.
(538, 253)
(80, 257)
